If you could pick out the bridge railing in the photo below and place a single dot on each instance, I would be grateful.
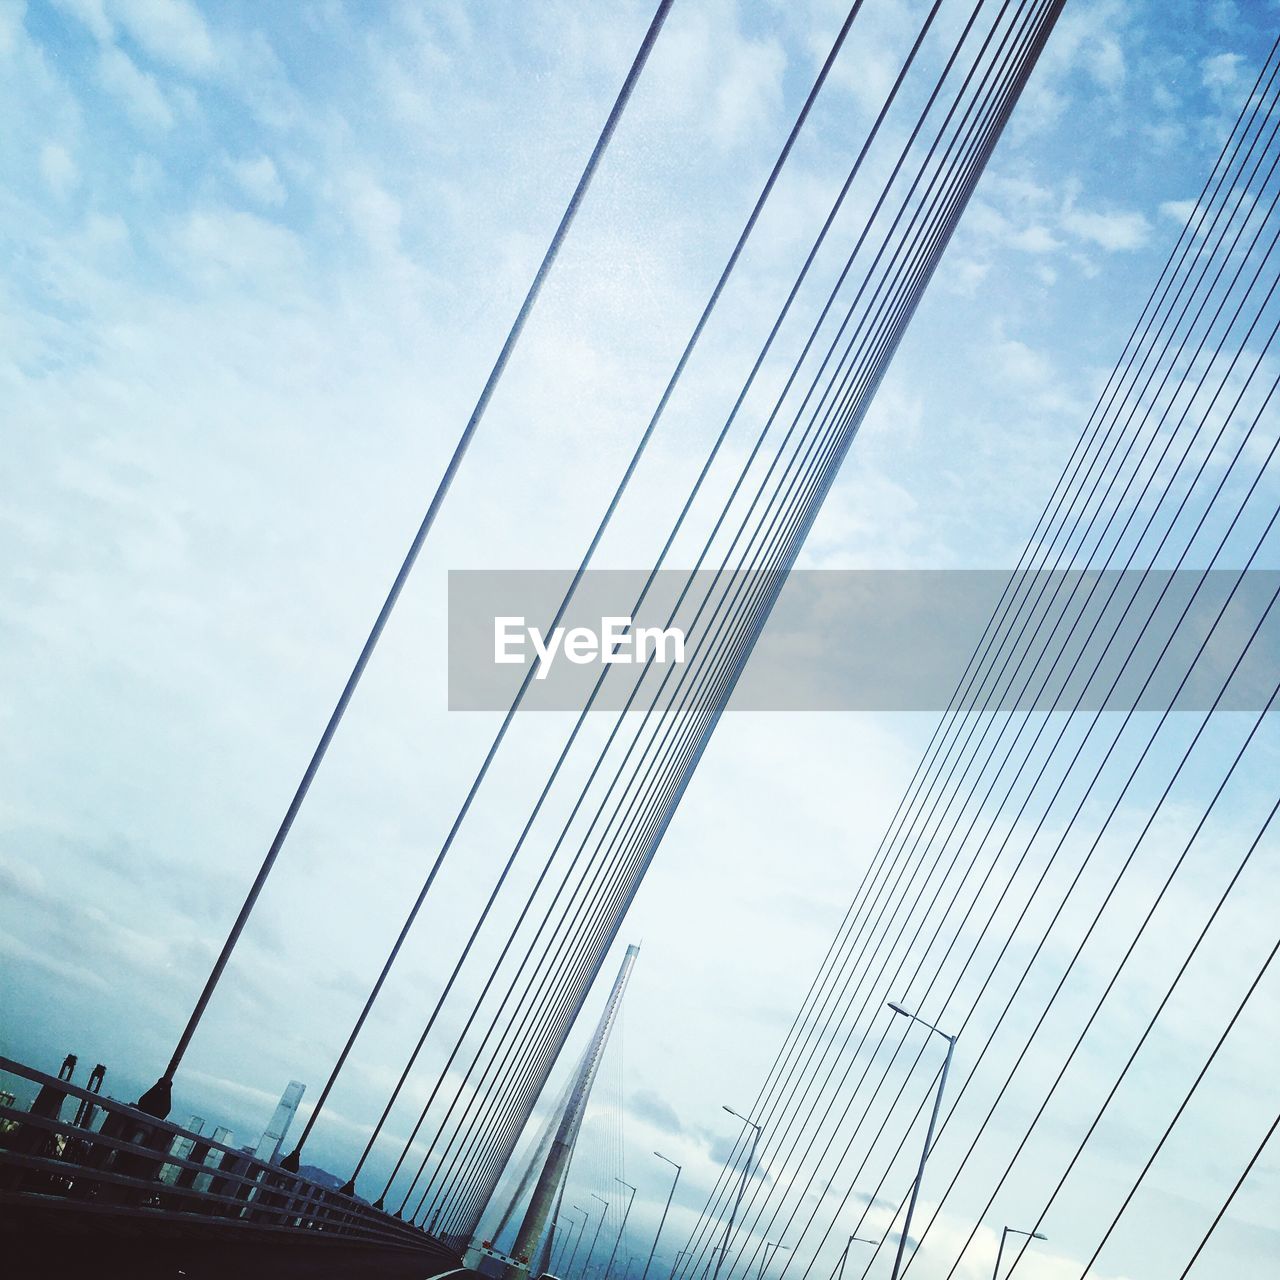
(135, 1166)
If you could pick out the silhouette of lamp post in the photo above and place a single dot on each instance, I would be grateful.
(1008, 1231)
(845, 1254)
(742, 1187)
(586, 1266)
(928, 1138)
(764, 1260)
(662, 1221)
(622, 1228)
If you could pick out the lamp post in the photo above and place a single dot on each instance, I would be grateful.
(662, 1221)
(556, 1241)
(622, 1228)
(845, 1254)
(742, 1187)
(928, 1138)
(586, 1266)
(764, 1260)
(1031, 1235)
(577, 1240)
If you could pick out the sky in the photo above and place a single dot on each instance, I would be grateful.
(259, 261)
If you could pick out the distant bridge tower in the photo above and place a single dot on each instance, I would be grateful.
(534, 1228)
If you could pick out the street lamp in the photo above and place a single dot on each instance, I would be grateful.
(586, 1266)
(1031, 1235)
(742, 1187)
(662, 1221)
(622, 1228)
(577, 1240)
(764, 1260)
(558, 1239)
(928, 1138)
(844, 1255)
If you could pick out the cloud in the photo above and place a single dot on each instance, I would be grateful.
(1020, 364)
(652, 1107)
(58, 169)
(1105, 60)
(749, 91)
(171, 31)
(1221, 71)
(239, 243)
(258, 179)
(137, 90)
(1178, 211)
(1115, 232)
(1035, 239)
(737, 79)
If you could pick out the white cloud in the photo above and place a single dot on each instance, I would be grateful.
(58, 169)
(171, 31)
(1115, 232)
(749, 90)
(1178, 211)
(373, 211)
(1035, 239)
(1221, 71)
(963, 275)
(230, 240)
(730, 84)
(258, 179)
(142, 96)
(1105, 60)
(1019, 363)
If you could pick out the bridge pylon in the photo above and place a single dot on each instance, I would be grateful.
(531, 1252)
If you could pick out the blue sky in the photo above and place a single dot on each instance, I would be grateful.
(259, 261)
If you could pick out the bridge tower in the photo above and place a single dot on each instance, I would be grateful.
(534, 1227)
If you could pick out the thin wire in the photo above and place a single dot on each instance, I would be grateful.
(499, 1014)
(967, 917)
(1177, 1115)
(1251, 490)
(1187, 238)
(777, 325)
(1231, 1195)
(419, 539)
(596, 539)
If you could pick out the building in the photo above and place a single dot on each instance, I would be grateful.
(268, 1147)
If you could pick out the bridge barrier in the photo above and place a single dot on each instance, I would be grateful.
(129, 1170)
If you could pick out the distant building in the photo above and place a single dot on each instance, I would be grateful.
(269, 1146)
(182, 1148)
(7, 1100)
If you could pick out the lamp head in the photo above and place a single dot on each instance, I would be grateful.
(897, 1008)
